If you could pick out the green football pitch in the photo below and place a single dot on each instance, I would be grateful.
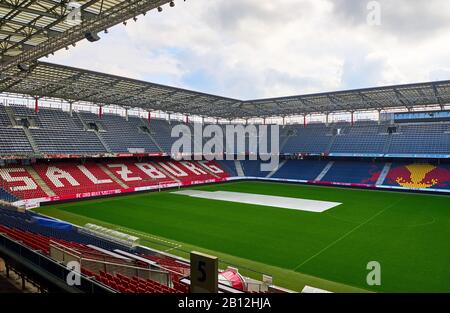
(408, 234)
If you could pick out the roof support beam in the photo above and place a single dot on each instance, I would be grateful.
(99, 91)
(141, 100)
(367, 99)
(17, 10)
(121, 99)
(437, 95)
(13, 83)
(116, 14)
(400, 97)
(50, 80)
(35, 27)
(61, 85)
(338, 103)
(25, 9)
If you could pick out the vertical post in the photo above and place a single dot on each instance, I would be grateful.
(353, 118)
(149, 116)
(187, 119)
(284, 120)
(304, 121)
(71, 109)
(217, 121)
(379, 116)
(264, 121)
(100, 111)
(36, 104)
(327, 119)
(204, 273)
(126, 115)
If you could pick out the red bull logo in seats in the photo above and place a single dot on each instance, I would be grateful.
(419, 176)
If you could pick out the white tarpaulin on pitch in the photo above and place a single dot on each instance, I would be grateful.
(273, 201)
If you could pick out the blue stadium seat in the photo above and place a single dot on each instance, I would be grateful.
(301, 169)
(356, 172)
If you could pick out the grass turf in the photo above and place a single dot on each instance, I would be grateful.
(407, 234)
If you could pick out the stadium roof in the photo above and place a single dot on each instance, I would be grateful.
(407, 96)
(31, 29)
(73, 85)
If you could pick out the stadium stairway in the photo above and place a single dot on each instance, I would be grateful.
(277, 169)
(10, 113)
(331, 144)
(239, 169)
(41, 183)
(254, 168)
(78, 117)
(353, 172)
(30, 138)
(102, 141)
(216, 168)
(112, 176)
(229, 167)
(143, 123)
(195, 171)
(166, 172)
(134, 177)
(206, 168)
(284, 138)
(387, 144)
(383, 174)
(324, 171)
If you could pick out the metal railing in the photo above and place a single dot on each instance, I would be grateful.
(46, 268)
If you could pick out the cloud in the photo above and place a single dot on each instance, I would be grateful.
(263, 48)
(404, 19)
(113, 55)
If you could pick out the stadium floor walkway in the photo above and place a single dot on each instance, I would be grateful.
(13, 284)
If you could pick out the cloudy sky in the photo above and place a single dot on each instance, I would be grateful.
(250, 49)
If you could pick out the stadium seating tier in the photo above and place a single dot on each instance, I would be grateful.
(73, 179)
(53, 131)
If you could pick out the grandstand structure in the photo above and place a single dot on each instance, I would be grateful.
(54, 154)
(34, 29)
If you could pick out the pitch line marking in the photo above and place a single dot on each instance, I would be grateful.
(170, 249)
(145, 235)
(345, 235)
(131, 231)
(121, 228)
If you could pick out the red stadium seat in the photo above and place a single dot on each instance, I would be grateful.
(72, 179)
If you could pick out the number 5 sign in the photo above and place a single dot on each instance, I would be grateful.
(204, 273)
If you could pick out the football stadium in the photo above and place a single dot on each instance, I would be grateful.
(94, 198)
